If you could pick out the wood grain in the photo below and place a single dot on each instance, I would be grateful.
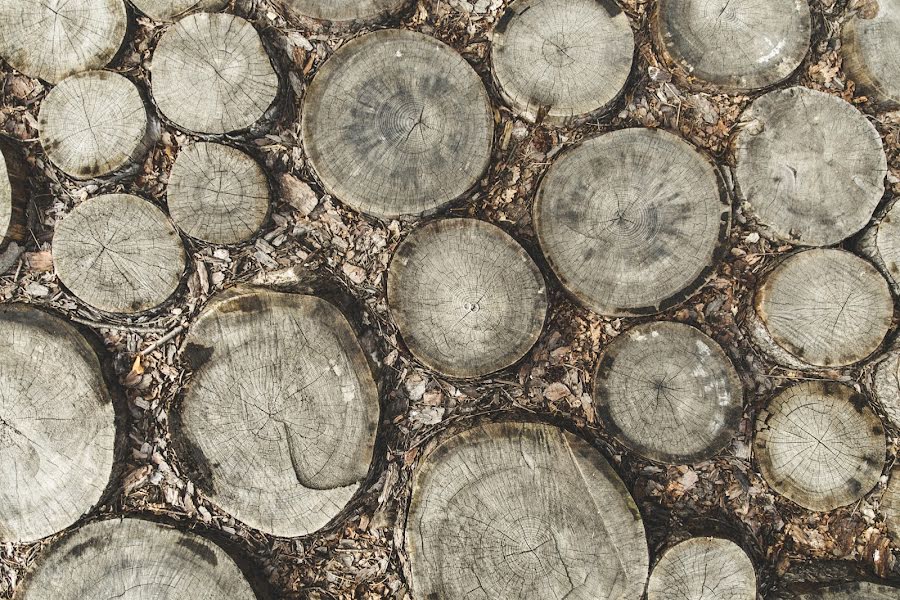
(705, 568)
(871, 49)
(171, 10)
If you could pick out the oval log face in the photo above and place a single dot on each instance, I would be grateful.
(346, 11)
(703, 569)
(871, 48)
(169, 10)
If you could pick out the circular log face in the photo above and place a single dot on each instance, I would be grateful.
(282, 410)
(346, 11)
(562, 58)
(886, 385)
(872, 52)
(52, 39)
(217, 193)
(819, 445)
(736, 46)
(810, 166)
(632, 221)
(854, 591)
(57, 426)
(169, 10)
(890, 505)
(827, 307)
(703, 569)
(881, 244)
(397, 123)
(118, 253)
(669, 392)
(134, 559)
(523, 511)
(93, 123)
(211, 74)
(466, 297)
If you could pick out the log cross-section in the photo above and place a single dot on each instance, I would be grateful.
(13, 195)
(871, 48)
(705, 568)
(170, 10)
(344, 14)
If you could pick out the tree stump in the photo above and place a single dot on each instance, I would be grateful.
(57, 425)
(171, 10)
(93, 123)
(668, 392)
(467, 298)
(734, 46)
(562, 59)
(119, 254)
(397, 123)
(280, 418)
(13, 195)
(52, 39)
(527, 511)
(885, 385)
(821, 308)
(819, 445)
(809, 166)
(211, 74)
(880, 243)
(703, 569)
(134, 559)
(890, 505)
(344, 14)
(217, 193)
(862, 590)
(871, 48)
(633, 221)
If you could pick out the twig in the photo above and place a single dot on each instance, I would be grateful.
(162, 340)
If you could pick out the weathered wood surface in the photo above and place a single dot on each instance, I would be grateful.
(344, 13)
(118, 253)
(890, 505)
(885, 384)
(668, 392)
(52, 39)
(809, 167)
(467, 299)
(561, 59)
(171, 10)
(280, 418)
(854, 591)
(632, 222)
(133, 559)
(397, 123)
(880, 243)
(703, 569)
(211, 74)
(523, 511)
(93, 123)
(13, 195)
(57, 425)
(733, 45)
(822, 308)
(871, 49)
(217, 193)
(820, 445)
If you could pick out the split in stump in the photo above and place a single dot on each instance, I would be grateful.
(52, 39)
(821, 308)
(280, 418)
(170, 10)
(344, 13)
(871, 48)
(57, 425)
(397, 123)
(118, 253)
(211, 74)
(703, 569)
(854, 591)
(562, 59)
(819, 445)
(524, 511)
(217, 193)
(880, 243)
(890, 505)
(93, 123)
(886, 384)
(134, 559)
(13, 195)
(809, 165)
(735, 46)
(668, 391)
(633, 221)
(467, 298)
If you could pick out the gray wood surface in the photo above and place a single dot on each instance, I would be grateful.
(854, 591)
(871, 49)
(885, 384)
(171, 10)
(890, 505)
(880, 243)
(13, 195)
(345, 12)
(704, 568)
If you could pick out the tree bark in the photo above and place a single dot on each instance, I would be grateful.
(703, 569)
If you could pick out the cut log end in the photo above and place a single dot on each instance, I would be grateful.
(890, 505)
(13, 196)
(210, 73)
(734, 46)
(668, 392)
(523, 511)
(819, 445)
(171, 10)
(57, 425)
(880, 243)
(871, 48)
(119, 254)
(809, 166)
(703, 569)
(562, 59)
(397, 123)
(854, 591)
(281, 414)
(466, 297)
(342, 14)
(633, 221)
(886, 384)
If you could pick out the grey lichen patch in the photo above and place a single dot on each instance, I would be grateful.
(818, 444)
(282, 407)
(871, 48)
(346, 11)
(52, 39)
(118, 253)
(523, 511)
(397, 123)
(169, 10)
(809, 166)
(703, 569)
(57, 430)
(561, 58)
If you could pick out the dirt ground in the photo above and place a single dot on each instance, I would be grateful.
(358, 556)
